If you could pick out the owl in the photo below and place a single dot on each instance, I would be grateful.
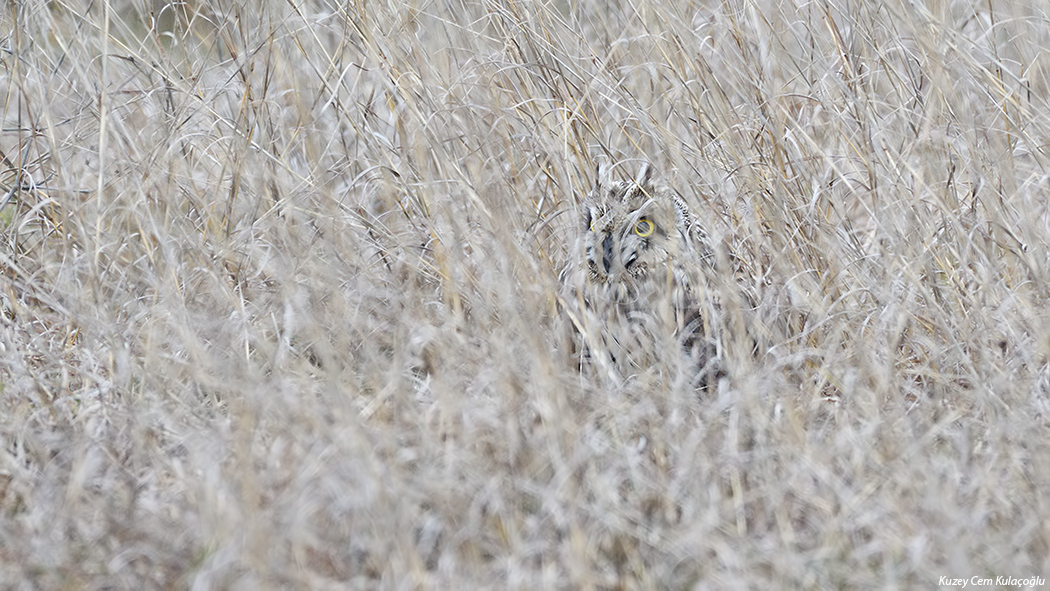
(636, 296)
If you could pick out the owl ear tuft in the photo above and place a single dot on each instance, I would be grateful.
(645, 176)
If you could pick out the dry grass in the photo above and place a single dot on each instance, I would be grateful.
(279, 294)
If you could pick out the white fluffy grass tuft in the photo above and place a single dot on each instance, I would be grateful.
(279, 294)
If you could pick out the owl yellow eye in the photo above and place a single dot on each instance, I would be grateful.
(644, 228)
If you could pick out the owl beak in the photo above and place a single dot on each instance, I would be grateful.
(607, 254)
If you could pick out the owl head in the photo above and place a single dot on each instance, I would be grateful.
(631, 229)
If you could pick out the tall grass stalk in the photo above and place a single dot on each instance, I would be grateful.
(279, 294)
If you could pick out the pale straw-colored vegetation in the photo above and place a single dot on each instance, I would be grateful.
(279, 294)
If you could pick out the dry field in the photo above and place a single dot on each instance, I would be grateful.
(279, 303)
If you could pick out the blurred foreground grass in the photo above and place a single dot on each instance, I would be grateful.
(279, 286)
